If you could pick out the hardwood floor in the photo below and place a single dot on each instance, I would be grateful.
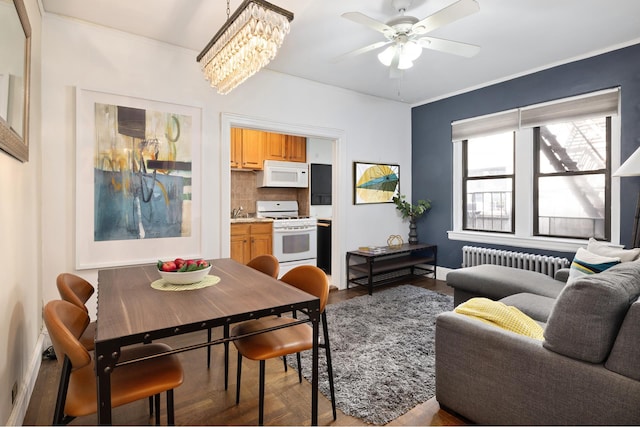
(202, 399)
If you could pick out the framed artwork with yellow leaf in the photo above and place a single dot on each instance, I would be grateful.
(375, 182)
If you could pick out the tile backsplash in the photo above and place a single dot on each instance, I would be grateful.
(245, 192)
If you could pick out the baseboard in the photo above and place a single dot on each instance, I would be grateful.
(441, 273)
(25, 389)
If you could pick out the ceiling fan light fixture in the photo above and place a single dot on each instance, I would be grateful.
(404, 63)
(248, 41)
(386, 56)
(411, 50)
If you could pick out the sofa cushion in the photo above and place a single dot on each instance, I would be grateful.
(625, 354)
(501, 315)
(587, 315)
(600, 248)
(537, 307)
(497, 281)
(585, 263)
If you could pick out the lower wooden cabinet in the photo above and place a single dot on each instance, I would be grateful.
(248, 240)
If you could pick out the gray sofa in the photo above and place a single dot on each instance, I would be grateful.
(534, 293)
(585, 372)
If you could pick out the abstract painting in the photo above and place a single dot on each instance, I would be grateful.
(137, 181)
(375, 182)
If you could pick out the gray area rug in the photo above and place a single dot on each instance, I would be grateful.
(383, 352)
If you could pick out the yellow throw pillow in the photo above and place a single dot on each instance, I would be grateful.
(501, 315)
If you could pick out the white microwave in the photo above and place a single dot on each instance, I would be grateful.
(284, 174)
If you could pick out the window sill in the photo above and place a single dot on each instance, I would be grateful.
(548, 243)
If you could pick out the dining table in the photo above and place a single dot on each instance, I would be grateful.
(135, 308)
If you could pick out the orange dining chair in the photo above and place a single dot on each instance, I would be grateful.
(77, 291)
(267, 264)
(77, 390)
(287, 340)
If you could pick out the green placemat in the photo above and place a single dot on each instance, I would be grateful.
(163, 285)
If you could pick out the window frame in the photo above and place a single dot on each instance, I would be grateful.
(466, 178)
(537, 175)
(524, 236)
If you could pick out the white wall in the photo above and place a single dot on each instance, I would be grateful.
(20, 251)
(78, 55)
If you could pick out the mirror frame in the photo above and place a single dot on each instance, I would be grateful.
(10, 142)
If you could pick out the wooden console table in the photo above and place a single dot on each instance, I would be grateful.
(374, 268)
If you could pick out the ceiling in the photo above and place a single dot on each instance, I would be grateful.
(516, 37)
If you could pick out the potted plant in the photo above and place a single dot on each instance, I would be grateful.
(413, 212)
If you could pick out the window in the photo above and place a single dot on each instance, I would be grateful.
(572, 179)
(539, 176)
(488, 183)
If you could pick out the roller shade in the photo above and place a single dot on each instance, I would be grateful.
(596, 104)
(490, 124)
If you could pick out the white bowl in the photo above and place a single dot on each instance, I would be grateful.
(185, 277)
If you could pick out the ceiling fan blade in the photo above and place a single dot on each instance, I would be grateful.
(363, 19)
(360, 51)
(449, 46)
(449, 14)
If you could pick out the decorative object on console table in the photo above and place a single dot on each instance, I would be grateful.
(631, 167)
(395, 241)
(413, 212)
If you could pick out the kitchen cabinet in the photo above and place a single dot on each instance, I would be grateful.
(247, 148)
(296, 148)
(248, 240)
(275, 146)
(288, 148)
(236, 148)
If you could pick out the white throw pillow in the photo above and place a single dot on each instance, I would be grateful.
(586, 263)
(604, 249)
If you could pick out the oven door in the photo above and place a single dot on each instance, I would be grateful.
(295, 244)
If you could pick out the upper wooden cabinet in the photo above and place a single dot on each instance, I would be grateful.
(236, 148)
(296, 148)
(249, 148)
(275, 147)
(285, 147)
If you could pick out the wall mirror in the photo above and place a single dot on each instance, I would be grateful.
(15, 63)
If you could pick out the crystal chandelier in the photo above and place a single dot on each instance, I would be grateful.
(248, 41)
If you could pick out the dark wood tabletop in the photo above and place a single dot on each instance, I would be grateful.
(129, 306)
(130, 311)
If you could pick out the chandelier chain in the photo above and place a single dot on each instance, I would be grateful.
(228, 10)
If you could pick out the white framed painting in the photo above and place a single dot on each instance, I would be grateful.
(138, 180)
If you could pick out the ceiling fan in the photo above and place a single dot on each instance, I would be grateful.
(406, 34)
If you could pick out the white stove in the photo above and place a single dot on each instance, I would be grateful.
(294, 237)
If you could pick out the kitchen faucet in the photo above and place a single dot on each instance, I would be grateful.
(235, 213)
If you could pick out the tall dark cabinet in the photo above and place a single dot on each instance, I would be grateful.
(324, 245)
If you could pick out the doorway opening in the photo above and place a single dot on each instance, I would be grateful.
(327, 146)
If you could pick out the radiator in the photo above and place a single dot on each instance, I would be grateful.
(473, 255)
